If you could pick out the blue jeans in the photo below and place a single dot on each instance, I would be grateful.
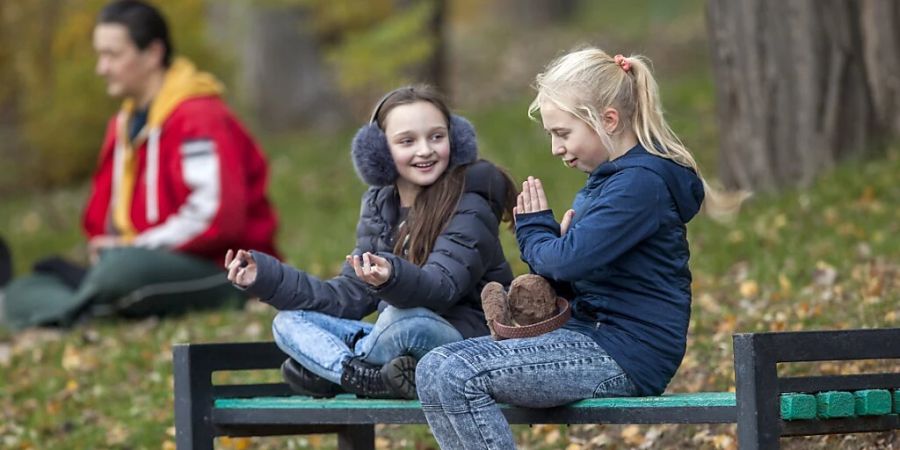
(461, 383)
(321, 343)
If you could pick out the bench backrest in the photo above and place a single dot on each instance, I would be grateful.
(759, 387)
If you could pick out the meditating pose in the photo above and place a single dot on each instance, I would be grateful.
(621, 254)
(426, 244)
(178, 182)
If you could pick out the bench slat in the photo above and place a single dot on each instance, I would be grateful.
(704, 399)
(708, 407)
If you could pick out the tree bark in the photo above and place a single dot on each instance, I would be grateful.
(800, 85)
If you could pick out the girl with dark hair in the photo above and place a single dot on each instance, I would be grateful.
(427, 243)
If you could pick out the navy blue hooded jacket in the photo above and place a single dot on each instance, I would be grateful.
(466, 256)
(625, 259)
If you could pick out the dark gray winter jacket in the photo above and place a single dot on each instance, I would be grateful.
(466, 256)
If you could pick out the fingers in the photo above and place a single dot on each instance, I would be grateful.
(371, 268)
(241, 267)
(566, 222)
(541, 196)
(526, 196)
(532, 198)
(246, 258)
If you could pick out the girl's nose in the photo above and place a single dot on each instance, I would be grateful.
(556, 146)
(424, 149)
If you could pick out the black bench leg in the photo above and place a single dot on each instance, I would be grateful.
(756, 380)
(193, 403)
(356, 437)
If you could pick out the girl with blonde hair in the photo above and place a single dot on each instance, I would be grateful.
(620, 256)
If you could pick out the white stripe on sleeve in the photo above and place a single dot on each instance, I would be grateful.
(201, 170)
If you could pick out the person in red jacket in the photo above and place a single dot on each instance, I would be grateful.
(179, 181)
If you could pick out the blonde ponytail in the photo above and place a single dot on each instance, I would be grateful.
(586, 81)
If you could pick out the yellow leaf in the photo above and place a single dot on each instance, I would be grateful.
(724, 442)
(71, 359)
(632, 435)
(727, 324)
(168, 445)
(552, 436)
(574, 446)
(74, 359)
(785, 283)
(71, 386)
(749, 289)
(53, 408)
(241, 443)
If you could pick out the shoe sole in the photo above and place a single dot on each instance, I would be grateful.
(400, 376)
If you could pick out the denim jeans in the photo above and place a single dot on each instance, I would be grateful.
(321, 343)
(460, 384)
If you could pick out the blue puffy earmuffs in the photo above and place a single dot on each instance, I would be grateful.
(372, 157)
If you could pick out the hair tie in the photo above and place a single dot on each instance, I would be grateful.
(622, 62)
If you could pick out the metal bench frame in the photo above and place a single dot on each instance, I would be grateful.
(756, 355)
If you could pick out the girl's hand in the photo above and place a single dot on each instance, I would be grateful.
(99, 243)
(532, 198)
(566, 221)
(371, 268)
(241, 267)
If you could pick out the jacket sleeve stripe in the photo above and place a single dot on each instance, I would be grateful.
(201, 170)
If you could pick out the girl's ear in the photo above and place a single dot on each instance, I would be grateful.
(610, 118)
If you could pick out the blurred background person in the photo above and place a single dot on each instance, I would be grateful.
(179, 181)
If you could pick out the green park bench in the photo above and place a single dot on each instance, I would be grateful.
(765, 405)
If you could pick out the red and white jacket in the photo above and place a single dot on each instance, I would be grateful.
(197, 180)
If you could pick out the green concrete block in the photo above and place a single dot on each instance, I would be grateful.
(897, 401)
(873, 402)
(798, 406)
(835, 404)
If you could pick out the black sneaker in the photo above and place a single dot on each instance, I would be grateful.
(304, 382)
(400, 376)
(364, 379)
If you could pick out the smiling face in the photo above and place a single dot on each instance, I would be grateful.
(124, 66)
(572, 139)
(418, 137)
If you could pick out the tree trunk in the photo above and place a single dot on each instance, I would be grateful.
(282, 76)
(879, 21)
(435, 67)
(801, 85)
(535, 13)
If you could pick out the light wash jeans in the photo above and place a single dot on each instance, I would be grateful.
(321, 343)
(460, 384)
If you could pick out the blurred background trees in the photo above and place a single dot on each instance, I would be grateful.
(53, 108)
(800, 85)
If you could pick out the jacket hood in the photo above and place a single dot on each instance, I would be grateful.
(485, 179)
(182, 81)
(683, 182)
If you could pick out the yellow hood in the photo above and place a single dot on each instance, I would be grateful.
(183, 81)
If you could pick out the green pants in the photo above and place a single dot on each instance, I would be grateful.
(128, 282)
